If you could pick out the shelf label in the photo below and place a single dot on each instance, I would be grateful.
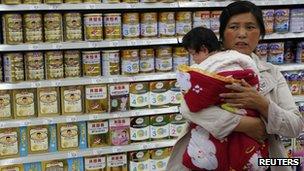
(93, 44)
(97, 152)
(117, 149)
(132, 43)
(57, 46)
(54, 6)
(48, 121)
(34, 7)
(72, 154)
(148, 42)
(93, 117)
(92, 6)
(136, 113)
(25, 123)
(2, 124)
(33, 47)
(35, 84)
(114, 43)
(71, 119)
(144, 146)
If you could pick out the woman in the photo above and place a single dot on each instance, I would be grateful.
(240, 29)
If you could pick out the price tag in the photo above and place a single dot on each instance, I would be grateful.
(93, 117)
(132, 5)
(202, 4)
(114, 80)
(48, 121)
(92, 6)
(148, 42)
(57, 46)
(173, 4)
(54, 6)
(71, 119)
(136, 113)
(97, 152)
(132, 43)
(72, 154)
(93, 44)
(114, 43)
(34, 7)
(25, 123)
(33, 47)
(94, 80)
(117, 149)
(2, 124)
(144, 146)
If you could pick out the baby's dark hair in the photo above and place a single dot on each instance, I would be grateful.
(200, 37)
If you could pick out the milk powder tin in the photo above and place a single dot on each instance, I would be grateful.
(48, 101)
(148, 1)
(68, 134)
(110, 62)
(53, 1)
(148, 25)
(139, 95)
(96, 98)
(281, 20)
(5, 104)
(163, 62)
(117, 162)
(17, 167)
(130, 1)
(180, 57)
(159, 127)
(140, 129)
(73, 1)
(276, 53)
(300, 52)
(72, 100)
(262, 51)
(96, 163)
(201, 19)
(119, 97)
(53, 27)
(72, 63)
(38, 139)
(146, 61)
(98, 133)
(130, 61)
(9, 145)
(11, 2)
(34, 66)
(54, 65)
(12, 29)
(160, 96)
(159, 159)
(93, 27)
(55, 165)
(32, 1)
(139, 160)
(183, 23)
(91, 63)
(268, 17)
(215, 21)
(166, 24)
(33, 28)
(130, 25)
(24, 103)
(177, 125)
(289, 52)
(175, 93)
(112, 23)
(72, 26)
(119, 131)
(110, 1)
(13, 67)
(296, 20)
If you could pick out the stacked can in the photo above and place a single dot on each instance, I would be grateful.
(130, 62)
(72, 63)
(1, 70)
(297, 20)
(180, 57)
(268, 17)
(33, 28)
(110, 62)
(300, 53)
(73, 1)
(201, 19)
(166, 24)
(110, 1)
(53, 1)
(32, 1)
(91, 63)
(11, 2)
(53, 27)
(54, 65)
(281, 20)
(148, 25)
(34, 66)
(112, 23)
(183, 23)
(215, 21)
(289, 54)
(93, 27)
(13, 67)
(276, 53)
(146, 62)
(12, 29)
(262, 51)
(163, 62)
(130, 25)
(72, 27)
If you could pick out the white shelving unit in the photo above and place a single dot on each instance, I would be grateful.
(298, 98)
(291, 67)
(88, 81)
(86, 117)
(88, 152)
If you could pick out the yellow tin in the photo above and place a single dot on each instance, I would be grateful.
(34, 66)
(98, 133)
(48, 101)
(72, 100)
(146, 61)
(130, 61)
(183, 22)
(72, 63)
(163, 62)
(166, 24)
(55, 165)
(9, 146)
(38, 139)
(110, 1)
(13, 67)
(73, 1)
(96, 98)
(53, 27)
(148, 26)
(24, 103)
(11, 2)
(92, 1)
(5, 105)
(112, 23)
(180, 57)
(68, 135)
(130, 25)
(91, 63)
(32, 1)
(72, 26)
(54, 65)
(110, 62)
(16, 167)
(12, 29)
(93, 27)
(33, 28)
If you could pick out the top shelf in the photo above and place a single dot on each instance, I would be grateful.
(117, 6)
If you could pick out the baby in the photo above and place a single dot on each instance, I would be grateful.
(201, 85)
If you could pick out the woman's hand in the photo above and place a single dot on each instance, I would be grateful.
(245, 96)
(253, 127)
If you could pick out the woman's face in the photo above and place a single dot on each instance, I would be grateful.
(242, 33)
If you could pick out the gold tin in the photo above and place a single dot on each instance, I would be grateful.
(38, 139)
(110, 62)
(53, 1)
(160, 94)
(183, 22)
(140, 129)
(159, 127)
(32, 1)
(130, 1)
(54, 65)
(34, 66)
(16, 167)
(98, 133)
(117, 162)
(68, 136)
(72, 63)
(9, 146)
(91, 63)
(1, 69)
(148, 1)
(96, 98)
(92, 1)
(163, 61)
(118, 97)
(166, 24)
(33, 28)
(130, 62)
(11, 2)
(180, 57)
(72, 100)
(72, 26)
(48, 101)
(119, 131)
(96, 163)
(73, 1)
(130, 25)
(13, 67)
(53, 27)
(159, 158)
(178, 125)
(12, 29)
(148, 25)
(55, 165)
(5, 105)
(24, 103)
(139, 160)
(201, 19)
(112, 23)
(139, 95)
(93, 27)
(176, 94)
(146, 60)
(215, 21)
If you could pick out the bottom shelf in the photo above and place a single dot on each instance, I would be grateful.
(88, 152)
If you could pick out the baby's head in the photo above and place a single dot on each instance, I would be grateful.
(199, 42)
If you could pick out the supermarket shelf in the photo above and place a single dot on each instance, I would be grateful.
(86, 45)
(225, 3)
(291, 67)
(284, 36)
(298, 98)
(88, 152)
(86, 117)
(88, 81)
(86, 6)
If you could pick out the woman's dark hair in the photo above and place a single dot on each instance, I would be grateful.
(240, 7)
(200, 37)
